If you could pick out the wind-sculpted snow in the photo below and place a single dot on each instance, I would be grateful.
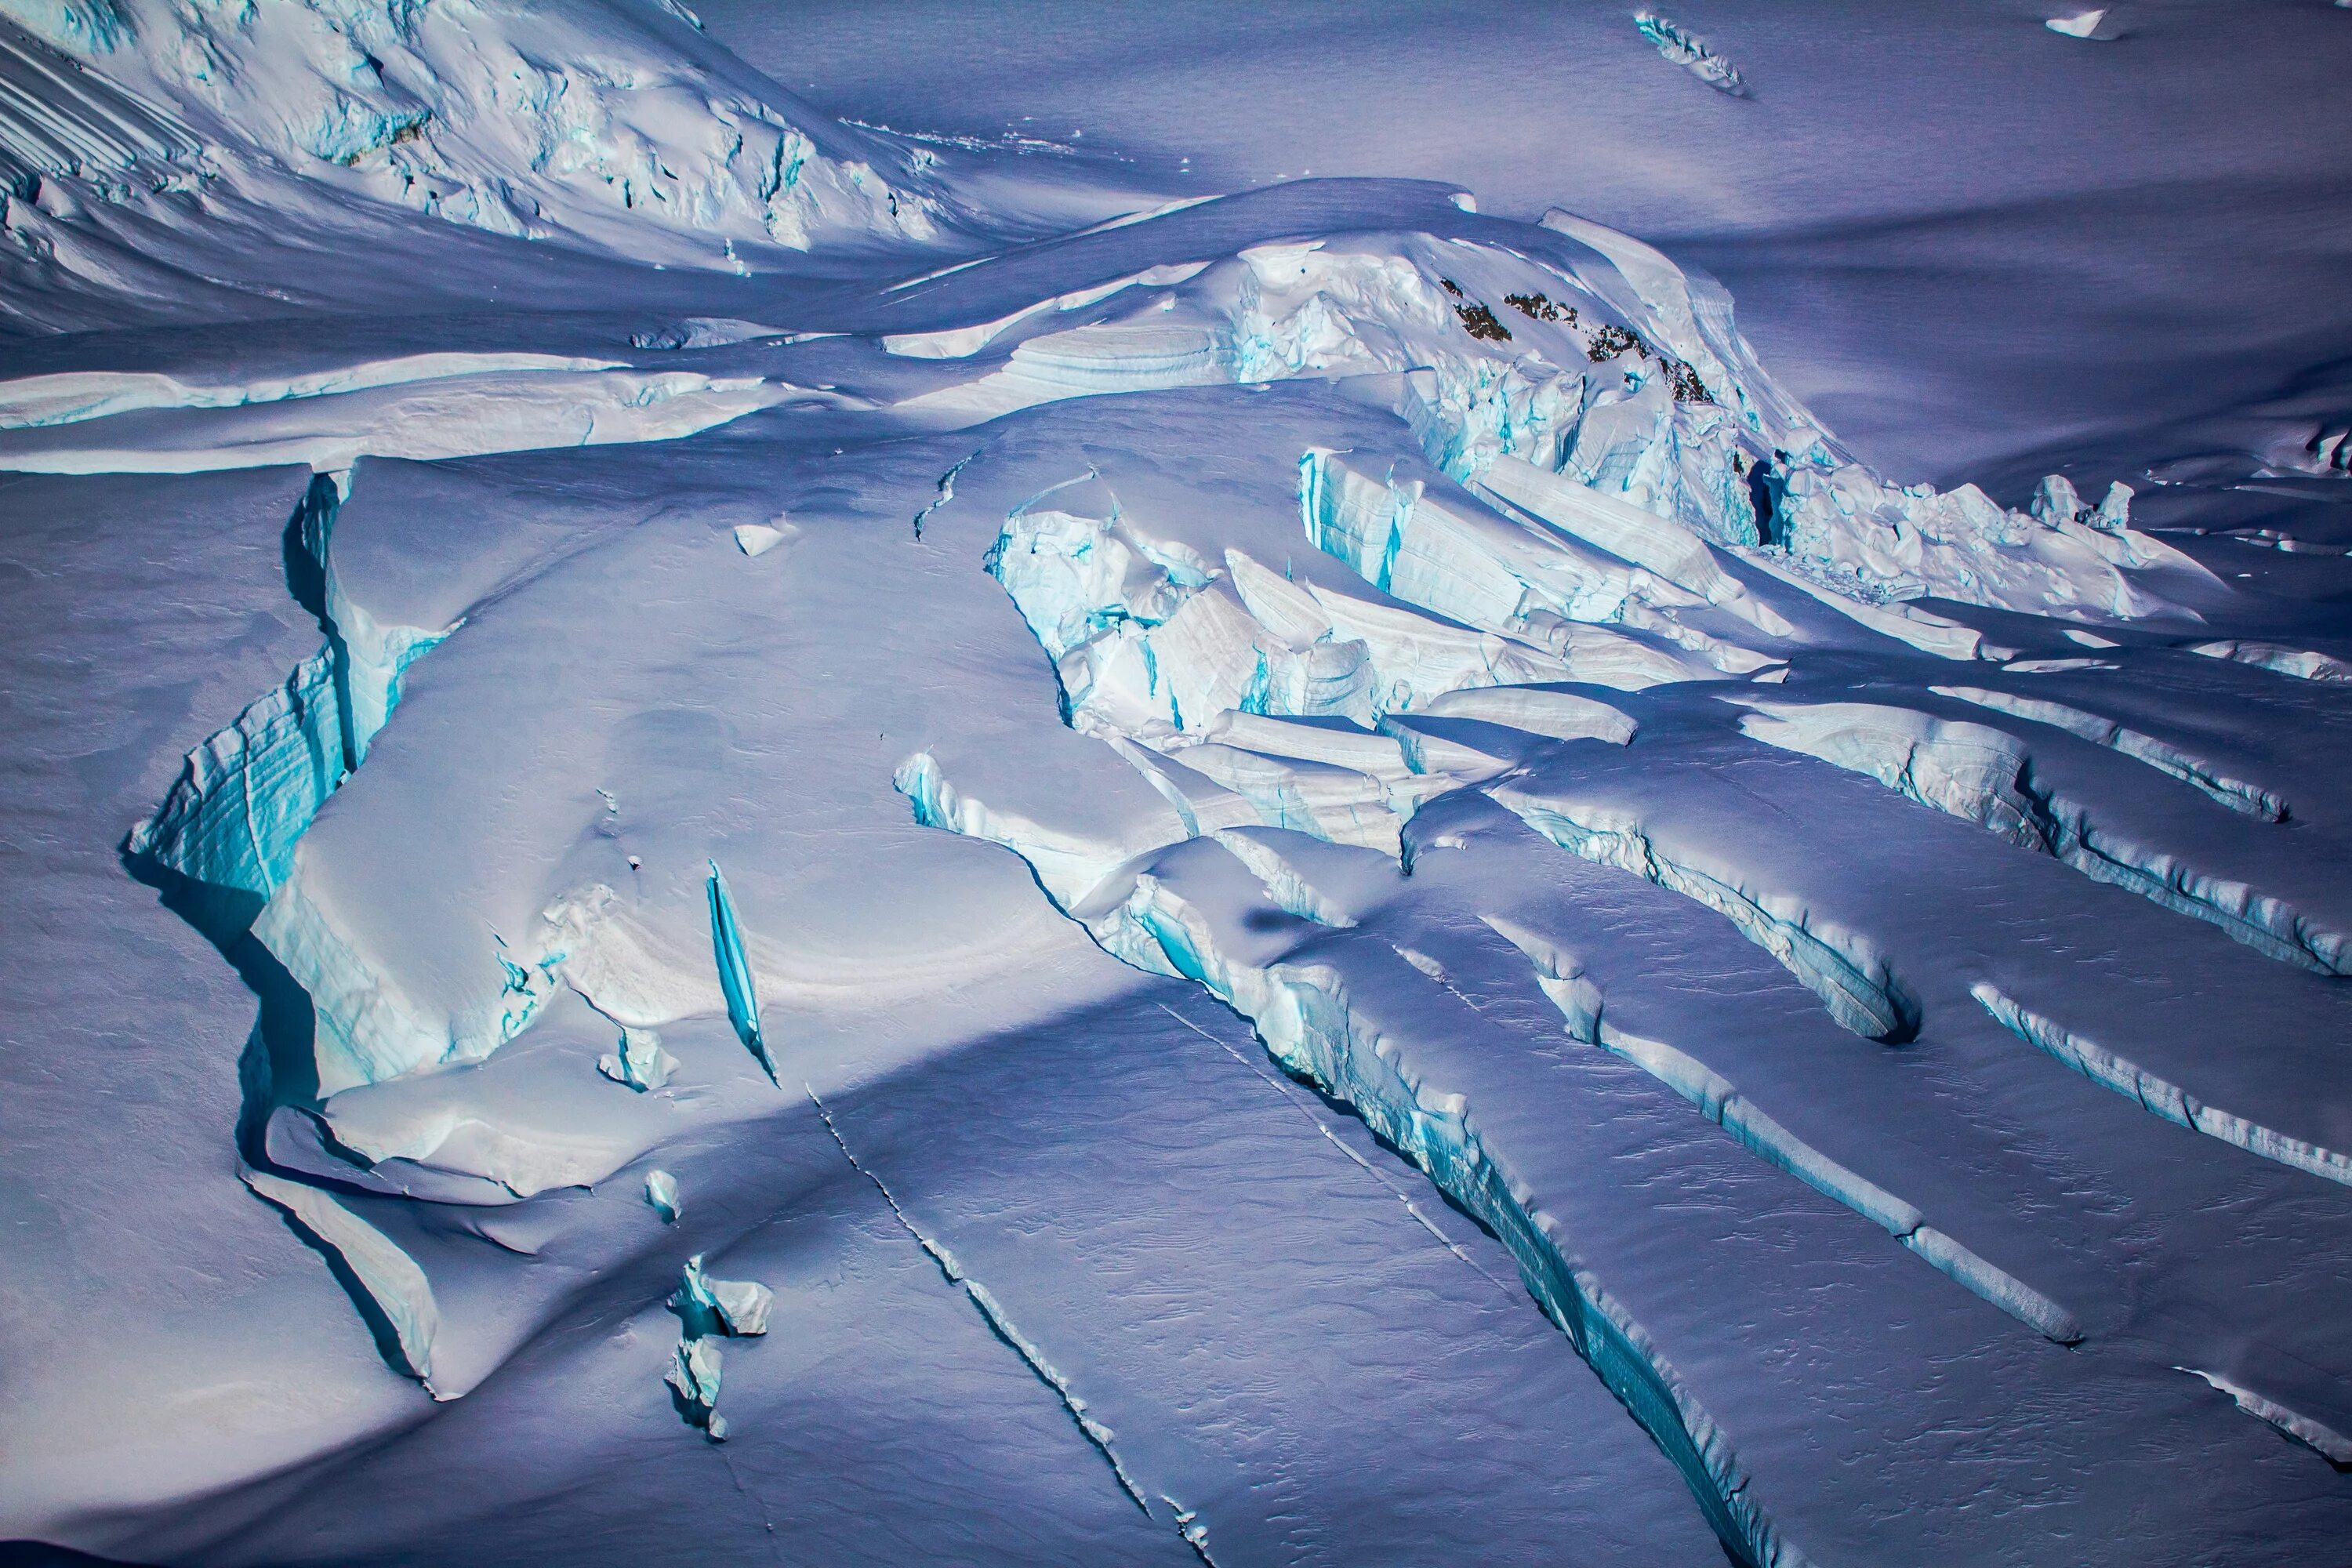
(1090, 632)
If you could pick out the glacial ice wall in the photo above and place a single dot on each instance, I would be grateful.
(247, 794)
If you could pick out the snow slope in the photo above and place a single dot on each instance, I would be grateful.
(960, 860)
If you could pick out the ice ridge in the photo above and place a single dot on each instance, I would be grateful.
(1853, 980)
(1574, 388)
(1302, 1013)
(1986, 776)
(1690, 54)
(2155, 1096)
(2325, 1440)
(392, 1282)
(2196, 771)
(1721, 1102)
(2303, 664)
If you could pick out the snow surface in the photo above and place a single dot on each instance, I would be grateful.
(738, 833)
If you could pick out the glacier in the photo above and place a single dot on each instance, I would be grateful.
(1278, 863)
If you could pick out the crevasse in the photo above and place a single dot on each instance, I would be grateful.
(1302, 1015)
(1721, 1102)
(245, 797)
(245, 794)
(1986, 776)
(2155, 1095)
(1853, 982)
(1031, 1354)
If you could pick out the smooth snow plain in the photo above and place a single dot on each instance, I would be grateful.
(1010, 841)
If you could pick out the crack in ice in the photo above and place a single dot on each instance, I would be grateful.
(1000, 1322)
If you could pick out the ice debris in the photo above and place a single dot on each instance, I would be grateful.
(735, 981)
(394, 1284)
(694, 1376)
(2055, 500)
(2155, 1096)
(661, 1192)
(639, 1062)
(1691, 436)
(1538, 592)
(756, 539)
(575, 122)
(737, 1308)
(1691, 54)
(2081, 25)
